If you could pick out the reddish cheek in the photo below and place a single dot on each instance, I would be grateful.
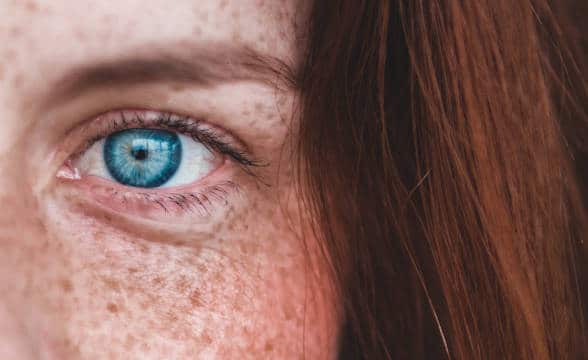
(250, 270)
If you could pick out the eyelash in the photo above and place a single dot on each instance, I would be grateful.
(186, 202)
(215, 140)
(181, 124)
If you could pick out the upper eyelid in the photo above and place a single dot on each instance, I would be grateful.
(105, 123)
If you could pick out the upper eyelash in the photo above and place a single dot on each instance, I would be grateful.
(187, 126)
(207, 137)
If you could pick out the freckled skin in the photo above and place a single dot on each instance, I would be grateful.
(81, 282)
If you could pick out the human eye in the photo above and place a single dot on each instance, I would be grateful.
(151, 163)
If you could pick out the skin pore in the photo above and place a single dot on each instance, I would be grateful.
(92, 269)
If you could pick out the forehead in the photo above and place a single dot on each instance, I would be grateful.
(52, 34)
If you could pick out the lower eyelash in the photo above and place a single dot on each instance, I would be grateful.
(202, 202)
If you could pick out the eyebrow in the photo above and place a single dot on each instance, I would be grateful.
(202, 66)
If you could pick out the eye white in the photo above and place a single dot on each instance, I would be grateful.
(197, 162)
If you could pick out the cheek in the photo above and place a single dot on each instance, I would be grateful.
(240, 286)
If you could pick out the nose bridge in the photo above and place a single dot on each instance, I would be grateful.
(15, 342)
(20, 234)
(17, 236)
(17, 204)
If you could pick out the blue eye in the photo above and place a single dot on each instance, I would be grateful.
(145, 158)
(148, 158)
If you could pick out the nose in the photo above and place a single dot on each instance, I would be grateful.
(17, 235)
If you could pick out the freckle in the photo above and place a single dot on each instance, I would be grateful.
(112, 284)
(178, 87)
(32, 6)
(218, 278)
(66, 285)
(9, 54)
(80, 35)
(197, 31)
(269, 346)
(17, 81)
(145, 347)
(144, 249)
(246, 113)
(288, 312)
(130, 342)
(236, 36)
(202, 269)
(206, 338)
(15, 32)
(231, 225)
(237, 307)
(157, 281)
(182, 284)
(132, 270)
(98, 235)
(112, 308)
(223, 4)
(171, 317)
(246, 329)
(66, 343)
(258, 106)
(195, 299)
(41, 227)
(107, 18)
(178, 242)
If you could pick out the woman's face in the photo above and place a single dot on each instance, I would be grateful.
(181, 241)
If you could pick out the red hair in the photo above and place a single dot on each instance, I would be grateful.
(437, 145)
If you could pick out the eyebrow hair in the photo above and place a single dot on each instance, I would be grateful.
(203, 66)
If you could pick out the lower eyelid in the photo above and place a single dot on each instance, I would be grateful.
(156, 205)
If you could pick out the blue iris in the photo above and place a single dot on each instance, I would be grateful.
(145, 158)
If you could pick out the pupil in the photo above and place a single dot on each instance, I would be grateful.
(139, 154)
